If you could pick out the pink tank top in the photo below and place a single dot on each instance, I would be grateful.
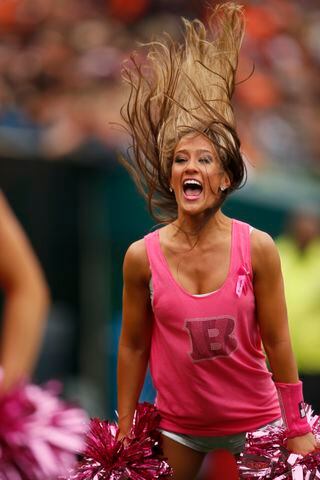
(206, 359)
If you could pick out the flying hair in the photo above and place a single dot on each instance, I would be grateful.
(183, 88)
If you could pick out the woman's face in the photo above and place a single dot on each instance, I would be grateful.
(197, 175)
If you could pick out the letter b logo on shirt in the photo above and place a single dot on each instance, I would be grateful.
(211, 337)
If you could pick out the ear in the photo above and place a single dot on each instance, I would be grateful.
(170, 178)
(225, 181)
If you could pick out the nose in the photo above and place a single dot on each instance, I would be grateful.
(192, 165)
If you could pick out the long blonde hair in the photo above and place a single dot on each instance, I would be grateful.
(184, 87)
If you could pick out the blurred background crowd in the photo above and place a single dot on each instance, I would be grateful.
(60, 74)
(60, 98)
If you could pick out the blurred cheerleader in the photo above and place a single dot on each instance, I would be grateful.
(40, 434)
(201, 292)
(26, 301)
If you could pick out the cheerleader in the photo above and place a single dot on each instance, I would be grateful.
(26, 301)
(204, 292)
(40, 435)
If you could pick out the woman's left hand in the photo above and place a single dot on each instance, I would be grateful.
(303, 444)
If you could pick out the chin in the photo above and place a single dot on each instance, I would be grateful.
(197, 210)
(193, 210)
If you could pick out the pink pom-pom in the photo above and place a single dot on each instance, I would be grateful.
(40, 434)
(136, 457)
(265, 455)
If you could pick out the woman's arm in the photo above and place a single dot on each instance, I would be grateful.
(134, 345)
(271, 308)
(273, 322)
(26, 300)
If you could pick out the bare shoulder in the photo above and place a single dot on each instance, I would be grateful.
(136, 264)
(263, 251)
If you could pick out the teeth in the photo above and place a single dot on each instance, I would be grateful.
(193, 182)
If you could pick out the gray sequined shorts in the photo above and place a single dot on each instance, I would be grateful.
(232, 443)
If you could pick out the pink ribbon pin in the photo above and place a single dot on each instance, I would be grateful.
(242, 282)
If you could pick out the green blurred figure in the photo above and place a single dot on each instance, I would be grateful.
(300, 257)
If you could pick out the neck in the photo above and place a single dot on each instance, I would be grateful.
(199, 227)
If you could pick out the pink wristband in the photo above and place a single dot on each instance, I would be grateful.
(292, 409)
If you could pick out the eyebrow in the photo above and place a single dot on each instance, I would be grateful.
(200, 150)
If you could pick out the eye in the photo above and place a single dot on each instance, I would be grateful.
(180, 160)
(205, 160)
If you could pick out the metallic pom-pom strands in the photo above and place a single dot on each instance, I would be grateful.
(40, 434)
(265, 456)
(136, 457)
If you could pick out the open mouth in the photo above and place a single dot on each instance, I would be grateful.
(192, 189)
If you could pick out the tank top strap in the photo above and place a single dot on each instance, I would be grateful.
(157, 267)
(242, 254)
